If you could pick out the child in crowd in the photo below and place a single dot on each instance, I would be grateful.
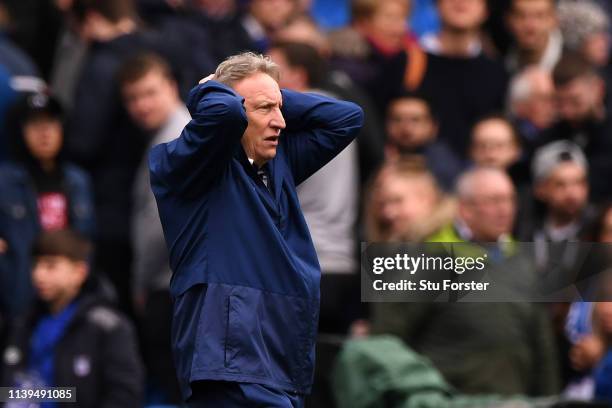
(72, 338)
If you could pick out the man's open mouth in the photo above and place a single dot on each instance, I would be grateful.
(271, 139)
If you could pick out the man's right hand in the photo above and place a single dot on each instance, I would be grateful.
(3, 246)
(586, 353)
(208, 78)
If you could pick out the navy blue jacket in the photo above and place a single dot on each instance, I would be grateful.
(246, 275)
(19, 226)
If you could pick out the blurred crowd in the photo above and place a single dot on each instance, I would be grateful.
(486, 121)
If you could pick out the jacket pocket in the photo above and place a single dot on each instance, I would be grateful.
(268, 335)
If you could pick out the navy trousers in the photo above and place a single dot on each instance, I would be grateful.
(225, 394)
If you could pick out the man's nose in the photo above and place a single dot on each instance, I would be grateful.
(278, 121)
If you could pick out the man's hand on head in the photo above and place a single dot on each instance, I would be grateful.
(208, 78)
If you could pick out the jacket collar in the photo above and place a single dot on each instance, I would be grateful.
(275, 174)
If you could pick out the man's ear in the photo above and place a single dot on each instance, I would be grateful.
(82, 269)
(487, 12)
(599, 86)
(175, 88)
(540, 189)
(434, 128)
(462, 210)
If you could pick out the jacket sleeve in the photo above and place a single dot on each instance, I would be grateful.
(123, 374)
(318, 128)
(189, 163)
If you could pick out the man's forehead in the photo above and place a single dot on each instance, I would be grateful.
(259, 87)
(266, 96)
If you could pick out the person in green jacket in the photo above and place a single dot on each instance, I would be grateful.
(480, 348)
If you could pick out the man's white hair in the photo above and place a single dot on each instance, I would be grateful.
(240, 66)
(468, 183)
(521, 85)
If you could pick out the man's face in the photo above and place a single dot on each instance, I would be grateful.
(539, 107)
(531, 22)
(409, 123)
(57, 278)
(565, 191)
(272, 14)
(388, 24)
(490, 212)
(43, 137)
(294, 78)
(150, 100)
(462, 15)
(579, 100)
(494, 144)
(403, 201)
(596, 48)
(262, 102)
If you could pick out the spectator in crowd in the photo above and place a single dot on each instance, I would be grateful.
(560, 184)
(151, 98)
(486, 208)
(561, 215)
(462, 83)
(584, 350)
(496, 143)
(404, 203)
(72, 338)
(531, 105)
(377, 51)
(329, 200)
(18, 75)
(303, 29)
(583, 119)
(264, 17)
(583, 339)
(585, 27)
(504, 348)
(586, 31)
(538, 40)
(150, 95)
(101, 137)
(412, 129)
(41, 192)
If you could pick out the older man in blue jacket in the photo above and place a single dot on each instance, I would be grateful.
(246, 275)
